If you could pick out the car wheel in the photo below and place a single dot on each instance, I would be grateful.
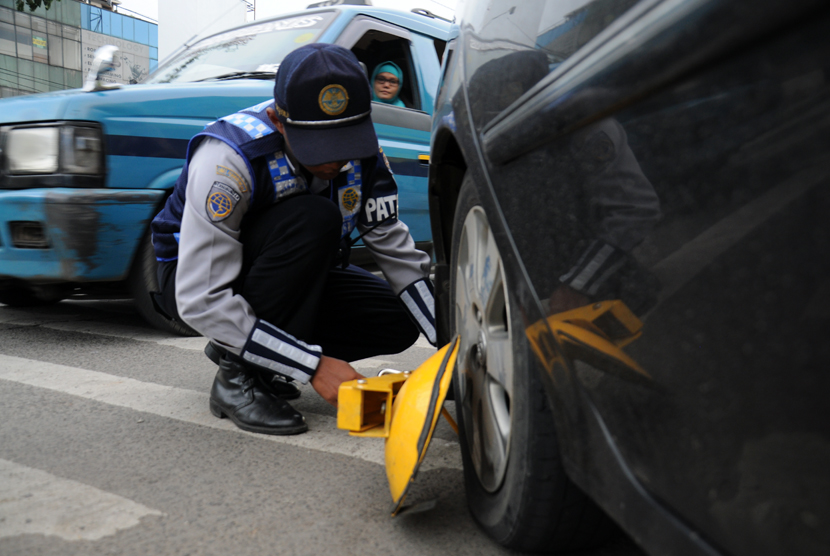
(143, 279)
(516, 487)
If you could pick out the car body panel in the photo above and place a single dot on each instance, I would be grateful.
(726, 448)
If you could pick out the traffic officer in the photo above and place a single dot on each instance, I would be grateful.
(253, 244)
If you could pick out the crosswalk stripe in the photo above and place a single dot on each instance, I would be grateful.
(36, 502)
(192, 407)
(74, 323)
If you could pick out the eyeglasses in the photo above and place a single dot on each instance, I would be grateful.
(391, 81)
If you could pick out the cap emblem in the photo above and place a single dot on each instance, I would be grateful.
(333, 100)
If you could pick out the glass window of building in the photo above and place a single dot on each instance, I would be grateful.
(154, 35)
(116, 25)
(8, 72)
(7, 40)
(55, 45)
(85, 9)
(142, 31)
(22, 20)
(53, 28)
(24, 43)
(39, 24)
(73, 79)
(128, 29)
(55, 78)
(72, 54)
(6, 15)
(41, 78)
(26, 75)
(70, 32)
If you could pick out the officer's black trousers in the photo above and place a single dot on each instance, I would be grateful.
(289, 279)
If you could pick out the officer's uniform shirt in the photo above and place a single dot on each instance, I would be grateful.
(210, 257)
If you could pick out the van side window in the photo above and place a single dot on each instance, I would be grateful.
(376, 47)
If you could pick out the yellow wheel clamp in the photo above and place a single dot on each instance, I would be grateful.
(404, 407)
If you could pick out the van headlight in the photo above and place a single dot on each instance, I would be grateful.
(54, 149)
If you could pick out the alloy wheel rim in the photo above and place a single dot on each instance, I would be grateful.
(482, 317)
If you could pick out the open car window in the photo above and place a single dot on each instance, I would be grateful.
(375, 42)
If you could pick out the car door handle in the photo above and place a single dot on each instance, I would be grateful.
(596, 334)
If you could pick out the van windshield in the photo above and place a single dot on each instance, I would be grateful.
(251, 52)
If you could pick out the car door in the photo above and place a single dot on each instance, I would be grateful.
(701, 130)
(403, 132)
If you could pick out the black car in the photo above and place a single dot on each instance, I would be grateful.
(630, 205)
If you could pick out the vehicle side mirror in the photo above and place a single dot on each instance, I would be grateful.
(106, 60)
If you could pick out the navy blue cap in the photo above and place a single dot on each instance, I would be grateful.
(324, 101)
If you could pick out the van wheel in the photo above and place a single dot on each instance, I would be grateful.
(516, 486)
(143, 280)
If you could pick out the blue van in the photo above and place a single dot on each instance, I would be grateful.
(82, 173)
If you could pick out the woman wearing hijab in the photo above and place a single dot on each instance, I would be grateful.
(387, 80)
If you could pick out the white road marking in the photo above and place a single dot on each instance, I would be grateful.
(36, 502)
(76, 323)
(192, 407)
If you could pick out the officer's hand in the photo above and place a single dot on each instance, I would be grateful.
(330, 374)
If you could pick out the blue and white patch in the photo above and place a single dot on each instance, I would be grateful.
(261, 106)
(254, 127)
(221, 201)
(285, 183)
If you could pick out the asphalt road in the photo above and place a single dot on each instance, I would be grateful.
(107, 446)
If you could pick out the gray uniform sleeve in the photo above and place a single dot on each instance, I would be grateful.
(394, 252)
(407, 271)
(210, 254)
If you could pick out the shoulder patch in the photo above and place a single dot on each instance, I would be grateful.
(235, 177)
(221, 201)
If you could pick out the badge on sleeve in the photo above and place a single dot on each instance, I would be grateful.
(221, 201)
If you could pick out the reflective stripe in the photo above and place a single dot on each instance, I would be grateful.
(277, 367)
(583, 277)
(426, 296)
(280, 347)
(578, 264)
(426, 326)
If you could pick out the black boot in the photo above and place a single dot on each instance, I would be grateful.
(275, 384)
(238, 395)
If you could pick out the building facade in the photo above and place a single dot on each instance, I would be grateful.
(52, 50)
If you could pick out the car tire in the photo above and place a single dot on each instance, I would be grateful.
(143, 280)
(516, 486)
